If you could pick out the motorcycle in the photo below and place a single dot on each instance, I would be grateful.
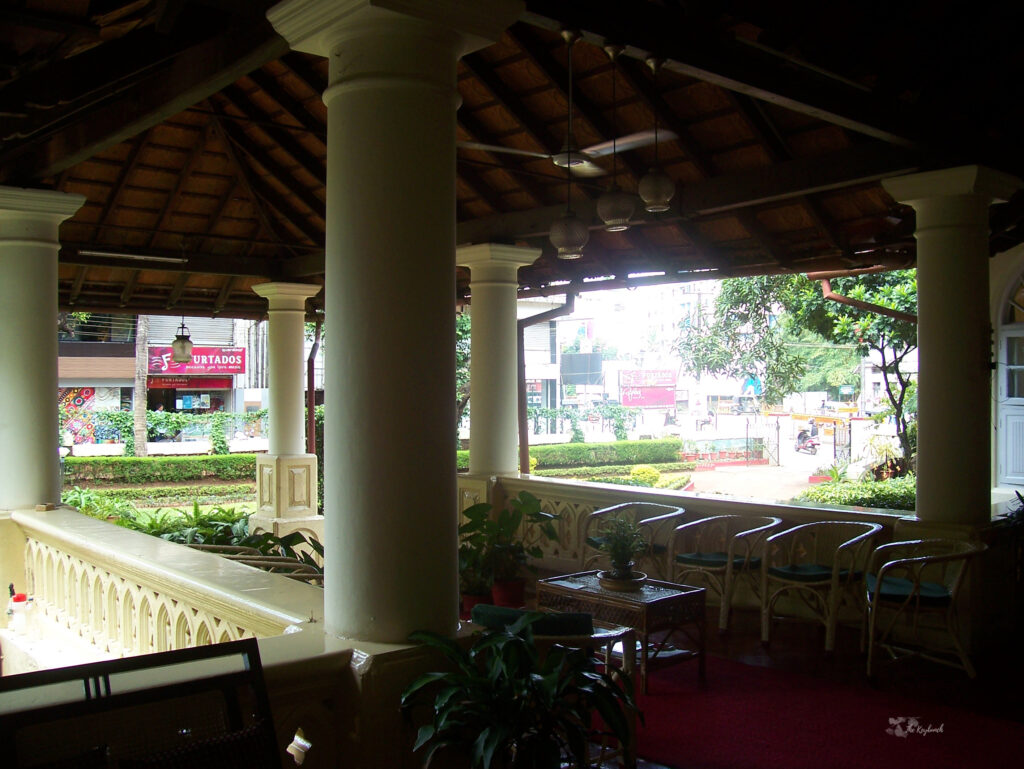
(807, 443)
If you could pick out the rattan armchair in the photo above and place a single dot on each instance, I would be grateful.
(911, 600)
(658, 522)
(718, 552)
(820, 563)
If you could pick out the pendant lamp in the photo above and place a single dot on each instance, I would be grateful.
(181, 347)
(656, 188)
(615, 207)
(569, 234)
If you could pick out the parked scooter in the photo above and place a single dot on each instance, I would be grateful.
(806, 442)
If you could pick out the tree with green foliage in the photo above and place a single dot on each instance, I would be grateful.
(743, 336)
(829, 366)
(892, 339)
(753, 318)
(463, 341)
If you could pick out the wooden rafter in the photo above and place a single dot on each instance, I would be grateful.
(181, 78)
(259, 191)
(129, 288)
(279, 135)
(182, 178)
(281, 174)
(179, 287)
(126, 170)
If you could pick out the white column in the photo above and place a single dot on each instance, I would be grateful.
(286, 476)
(493, 285)
(29, 242)
(954, 338)
(389, 465)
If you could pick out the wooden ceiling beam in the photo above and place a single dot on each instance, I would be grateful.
(281, 174)
(283, 138)
(860, 164)
(48, 22)
(258, 190)
(90, 255)
(189, 77)
(304, 71)
(176, 291)
(292, 106)
(211, 224)
(474, 128)
(76, 285)
(510, 102)
(173, 195)
(122, 177)
(556, 73)
(480, 188)
(775, 144)
(705, 54)
(129, 288)
(225, 293)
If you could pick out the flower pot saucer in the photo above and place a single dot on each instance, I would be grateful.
(632, 584)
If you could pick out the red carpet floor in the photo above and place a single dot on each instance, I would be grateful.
(759, 718)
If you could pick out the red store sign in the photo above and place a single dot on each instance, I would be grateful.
(205, 360)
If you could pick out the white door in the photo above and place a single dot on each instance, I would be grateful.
(1011, 405)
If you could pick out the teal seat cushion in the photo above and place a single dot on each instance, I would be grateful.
(806, 572)
(714, 560)
(555, 623)
(898, 589)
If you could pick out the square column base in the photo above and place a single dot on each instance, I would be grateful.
(286, 486)
(311, 528)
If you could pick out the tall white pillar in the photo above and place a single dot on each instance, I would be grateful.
(954, 338)
(389, 464)
(29, 242)
(286, 476)
(493, 354)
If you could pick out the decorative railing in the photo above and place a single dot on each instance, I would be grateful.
(572, 501)
(130, 593)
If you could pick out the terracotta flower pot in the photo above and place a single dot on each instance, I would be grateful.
(511, 593)
(469, 600)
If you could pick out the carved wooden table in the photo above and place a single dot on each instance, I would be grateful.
(655, 607)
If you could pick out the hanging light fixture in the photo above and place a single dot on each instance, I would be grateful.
(181, 347)
(615, 207)
(656, 188)
(569, 234)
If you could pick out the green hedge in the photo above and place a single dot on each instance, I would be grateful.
(154, 496)
(895, 494)
(135, 470)
(597, 454)
(587, 472)
(600, 454)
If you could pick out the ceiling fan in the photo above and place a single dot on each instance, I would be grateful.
(582, 160)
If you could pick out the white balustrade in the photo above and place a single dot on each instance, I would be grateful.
(130, 593)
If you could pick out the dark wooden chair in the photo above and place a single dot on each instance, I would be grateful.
(199, 708)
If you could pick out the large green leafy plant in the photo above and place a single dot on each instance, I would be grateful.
(506, 704)
(494, 544)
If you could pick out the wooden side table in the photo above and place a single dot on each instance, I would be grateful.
(655, 607)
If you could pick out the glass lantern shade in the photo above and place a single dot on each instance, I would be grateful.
(656, 189)
(569, 235)
(181, 347)
(615, 207)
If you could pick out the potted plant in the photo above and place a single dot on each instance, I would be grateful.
(623, 539)
(498, 541)
(474, 577)
(504, 704)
